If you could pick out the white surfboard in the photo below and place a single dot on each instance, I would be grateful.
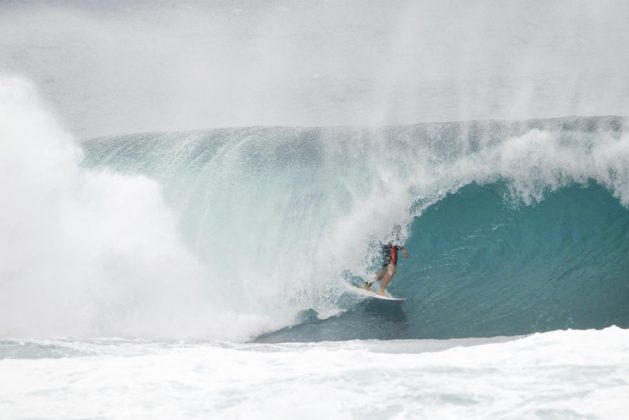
(371, 294)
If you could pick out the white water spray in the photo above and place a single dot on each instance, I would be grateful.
(92, 253)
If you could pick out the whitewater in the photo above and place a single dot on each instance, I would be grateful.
(193, 271)
(559, 374)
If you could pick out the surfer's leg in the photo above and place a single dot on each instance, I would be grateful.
(388, 275)
(379, 276)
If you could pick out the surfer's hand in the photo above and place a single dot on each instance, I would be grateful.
(405, 254)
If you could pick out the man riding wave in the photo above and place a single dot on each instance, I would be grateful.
(390, 252)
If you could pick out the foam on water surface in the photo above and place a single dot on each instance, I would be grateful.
(560, 374)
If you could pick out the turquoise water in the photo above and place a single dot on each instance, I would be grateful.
(513, 227)
(481, 268)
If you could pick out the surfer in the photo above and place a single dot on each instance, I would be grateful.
(390, 253)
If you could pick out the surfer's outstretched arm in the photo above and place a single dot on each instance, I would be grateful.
(404, 252)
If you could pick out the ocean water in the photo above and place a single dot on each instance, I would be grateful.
(149, 270)
(553, 375)
(513, 228)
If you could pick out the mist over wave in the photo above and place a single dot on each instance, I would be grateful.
(231, 233)
(113, 67)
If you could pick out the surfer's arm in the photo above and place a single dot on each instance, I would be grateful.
(404, 252)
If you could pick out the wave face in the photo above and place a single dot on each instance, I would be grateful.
(561, 263)
(513, 227)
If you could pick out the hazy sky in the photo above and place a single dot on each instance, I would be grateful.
(112, 67)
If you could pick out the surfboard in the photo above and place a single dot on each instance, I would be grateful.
(374, 295)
